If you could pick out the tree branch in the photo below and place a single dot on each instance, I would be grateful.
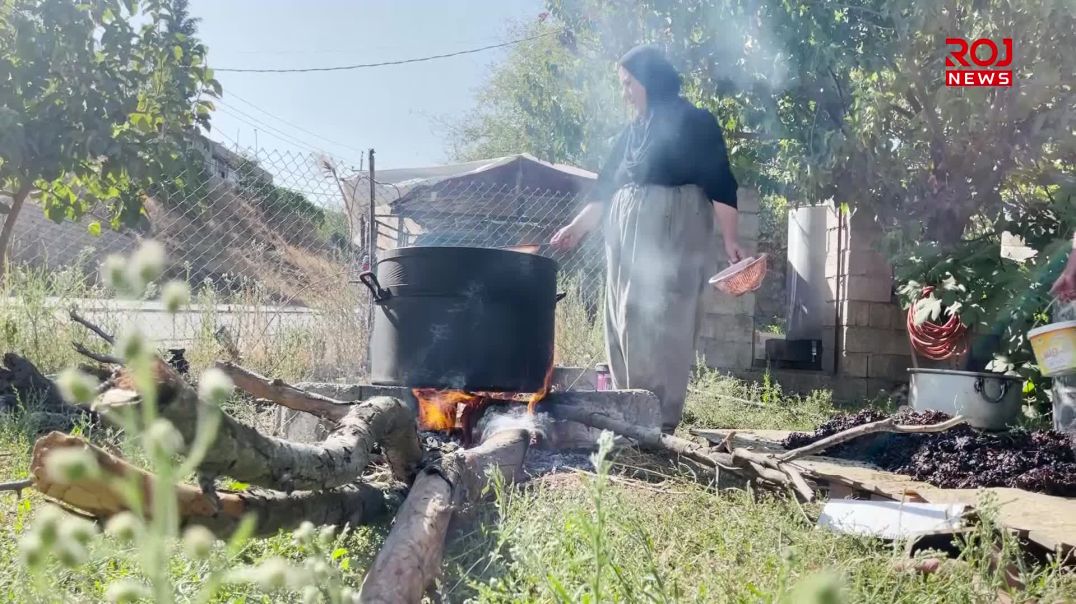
(245, 454)
(104, 359)
(16, 485)
(885, 425)
(104, 496)
(101, 333)
(284, 394)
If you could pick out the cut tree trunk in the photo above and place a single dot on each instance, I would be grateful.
(245, 454)
(102, 497)
(7, 233)
(410, 559)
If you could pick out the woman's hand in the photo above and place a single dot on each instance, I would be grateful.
(734, 251)
(568, 237)
(1064, 288)
(587, 220)
(727, 218)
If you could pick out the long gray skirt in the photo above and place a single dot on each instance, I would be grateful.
(658, 243)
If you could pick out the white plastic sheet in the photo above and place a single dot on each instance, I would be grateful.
(891, 519)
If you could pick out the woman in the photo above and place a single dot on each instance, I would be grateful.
(667, 178)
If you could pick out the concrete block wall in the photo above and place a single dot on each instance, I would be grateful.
(727, 333)
(869, 324)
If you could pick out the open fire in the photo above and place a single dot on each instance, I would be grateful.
(448, 410)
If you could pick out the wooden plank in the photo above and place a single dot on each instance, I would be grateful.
(1046, 520)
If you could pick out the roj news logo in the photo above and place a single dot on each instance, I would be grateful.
(979, 63)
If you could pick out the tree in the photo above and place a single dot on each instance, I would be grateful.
(543, 100)
(99, 101)
(824, 99)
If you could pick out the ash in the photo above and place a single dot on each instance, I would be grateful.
(539, 461)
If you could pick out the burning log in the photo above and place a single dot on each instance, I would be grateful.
(245, 454)
(410, 558)
(102, 496)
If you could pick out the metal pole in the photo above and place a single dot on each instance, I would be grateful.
(372, 240)
(371, 261)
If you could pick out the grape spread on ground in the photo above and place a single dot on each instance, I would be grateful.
(959, 458)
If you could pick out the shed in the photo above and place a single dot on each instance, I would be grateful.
(493, 202)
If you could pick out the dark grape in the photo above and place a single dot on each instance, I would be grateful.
(960, 458)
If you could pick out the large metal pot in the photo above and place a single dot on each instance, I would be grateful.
(475, 319)
(989, 401)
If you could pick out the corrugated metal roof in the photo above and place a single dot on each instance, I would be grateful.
(394, 184)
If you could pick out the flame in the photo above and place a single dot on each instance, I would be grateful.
(447, 410)
(537, 397)
(440, 410)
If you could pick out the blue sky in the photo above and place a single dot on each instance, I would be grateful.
(394, 109)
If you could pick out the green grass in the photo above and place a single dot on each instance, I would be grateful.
(570, 538)
(717, 401)
(576, 537)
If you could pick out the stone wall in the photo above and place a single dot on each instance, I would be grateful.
(726, 336)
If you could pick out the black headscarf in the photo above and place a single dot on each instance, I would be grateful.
(671, 143)
(649, 66)
(664, 107)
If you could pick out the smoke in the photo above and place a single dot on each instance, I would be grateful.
(514, 417)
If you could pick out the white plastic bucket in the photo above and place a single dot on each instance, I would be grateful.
(1054, 346)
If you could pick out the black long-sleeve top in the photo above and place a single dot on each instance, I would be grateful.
(682, 145)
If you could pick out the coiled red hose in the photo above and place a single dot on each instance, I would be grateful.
(937, 342)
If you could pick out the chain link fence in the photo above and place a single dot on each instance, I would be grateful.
(266, 240)
(272, 243)
(470, 212)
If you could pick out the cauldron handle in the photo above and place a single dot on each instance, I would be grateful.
(369, 279)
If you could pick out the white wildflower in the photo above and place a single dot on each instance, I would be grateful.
(126, 591)
(124, 526)
(114, 273)
(78, 530)
(71, 553)
(305, 533)
(198, 542)
(215, 387)
(77, 386)
(311, 594)
(271, 575)
(71, 465)
(31, 550)
(47, 524)
(147, 264)
(326, 535)
(162, 440)
(175, 295)
(131, 344)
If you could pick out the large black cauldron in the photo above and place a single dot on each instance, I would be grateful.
(475, 319)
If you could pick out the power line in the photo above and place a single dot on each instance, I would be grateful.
(297, 127)
(273, 132)
(388, 63)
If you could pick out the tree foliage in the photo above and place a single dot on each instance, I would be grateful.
(845, 101)
(543, 100)
(99, 101)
